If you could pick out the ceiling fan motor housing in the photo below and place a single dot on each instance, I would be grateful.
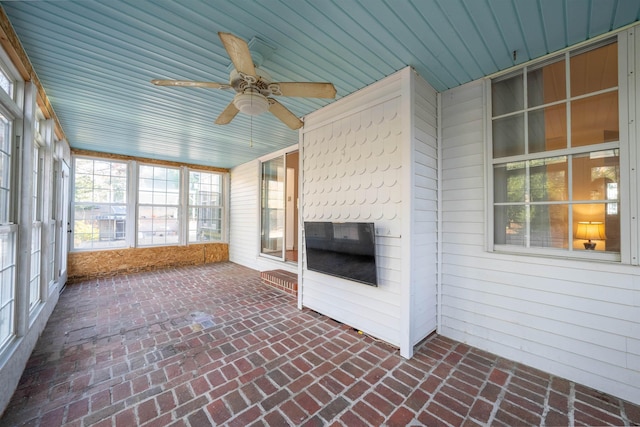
(261, 82)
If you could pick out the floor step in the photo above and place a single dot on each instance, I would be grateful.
(282, 280)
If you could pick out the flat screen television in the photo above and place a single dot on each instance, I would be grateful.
(342, 249)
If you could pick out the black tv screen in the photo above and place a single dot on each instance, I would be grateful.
(342, 249)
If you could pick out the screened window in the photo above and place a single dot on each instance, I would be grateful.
(556, 154)
(99, 203)
(205, 206)
(158, 205)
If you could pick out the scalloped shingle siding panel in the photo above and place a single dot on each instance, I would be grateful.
(352, 167)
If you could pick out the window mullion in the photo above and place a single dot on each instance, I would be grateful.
(567, 70)
(183, 208)
(132, 201)
(570, 201)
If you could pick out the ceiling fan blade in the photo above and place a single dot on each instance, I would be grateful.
(227, 115)
(286, 116)
(238, 51)
(190, 83)
(307, 90)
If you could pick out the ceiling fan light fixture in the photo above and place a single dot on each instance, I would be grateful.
(251, 103)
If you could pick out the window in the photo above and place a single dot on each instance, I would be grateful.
(158, 205)
(99, 204)
(8, 227)
(556, 155)
(205, 206)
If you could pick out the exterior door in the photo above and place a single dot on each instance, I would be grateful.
(279, 207)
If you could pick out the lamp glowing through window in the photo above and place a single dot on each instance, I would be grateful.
(590, 230)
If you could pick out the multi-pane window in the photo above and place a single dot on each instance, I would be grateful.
(158, 205)
(8, 228)
(556, 153)
(99, 203)
(7, 238)
(205, 206)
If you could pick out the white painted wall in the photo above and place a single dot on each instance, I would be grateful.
(578, 320)
(363, 161)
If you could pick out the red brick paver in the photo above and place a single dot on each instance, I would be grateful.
(213, 345)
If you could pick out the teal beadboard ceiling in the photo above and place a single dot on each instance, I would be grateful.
(96, 59)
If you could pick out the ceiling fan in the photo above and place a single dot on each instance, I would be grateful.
(254, 87)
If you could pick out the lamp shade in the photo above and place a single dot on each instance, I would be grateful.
(590, 231)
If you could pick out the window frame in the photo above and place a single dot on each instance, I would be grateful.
(625, 209)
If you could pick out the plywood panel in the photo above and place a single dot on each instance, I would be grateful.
(89, 265)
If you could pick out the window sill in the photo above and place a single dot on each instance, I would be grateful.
(576, 254)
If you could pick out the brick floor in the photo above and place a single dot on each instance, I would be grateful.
(212, 345)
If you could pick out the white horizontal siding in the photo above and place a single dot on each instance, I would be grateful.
(424, 210)
(575, 319)
(244, 214)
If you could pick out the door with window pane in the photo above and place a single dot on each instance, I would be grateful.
(279, 207)
(273, 207)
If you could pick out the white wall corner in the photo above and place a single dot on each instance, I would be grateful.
(408, 182)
